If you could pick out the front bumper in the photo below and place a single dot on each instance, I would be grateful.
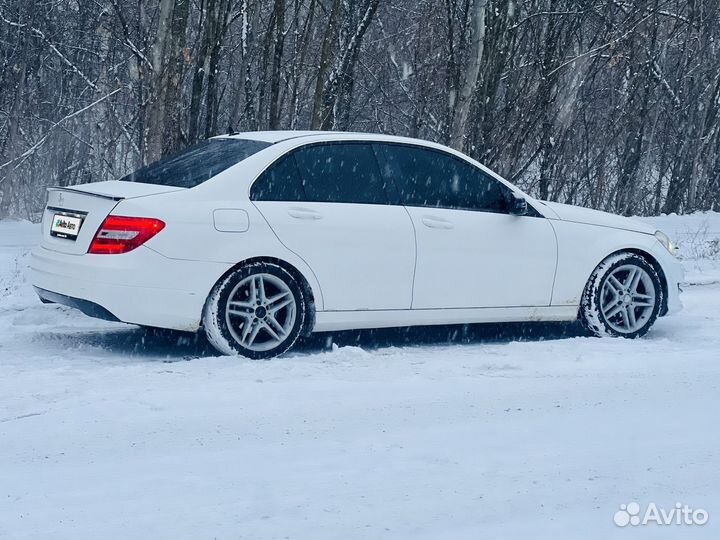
(674, 278)
(140, 287)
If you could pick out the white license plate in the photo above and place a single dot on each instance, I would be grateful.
(64, 226)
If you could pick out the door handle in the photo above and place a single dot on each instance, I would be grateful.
(304, 213)
(436, 223)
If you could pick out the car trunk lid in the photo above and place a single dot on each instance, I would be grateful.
(74, 214)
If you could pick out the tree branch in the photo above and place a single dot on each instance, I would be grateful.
(30, 151)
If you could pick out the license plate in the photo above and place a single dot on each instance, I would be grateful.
(65, 226)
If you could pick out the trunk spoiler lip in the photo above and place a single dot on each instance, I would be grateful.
(101, 195)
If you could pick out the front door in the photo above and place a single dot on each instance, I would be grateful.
(471, 253)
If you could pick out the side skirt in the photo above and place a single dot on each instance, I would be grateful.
(329, 321)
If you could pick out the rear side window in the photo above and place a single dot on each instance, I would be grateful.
(431, 178)
(335, 172)
(280, 182)
(197, 163)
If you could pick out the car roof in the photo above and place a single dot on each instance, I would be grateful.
(286, 135)
(272, 136)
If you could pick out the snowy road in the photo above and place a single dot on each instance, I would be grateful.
(107, 432)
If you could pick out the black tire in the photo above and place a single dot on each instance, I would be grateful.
(215, 318)
(591, 314)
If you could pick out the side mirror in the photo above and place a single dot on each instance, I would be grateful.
(517, 205)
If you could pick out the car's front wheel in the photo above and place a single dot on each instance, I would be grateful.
(623, 297)
(258, 311)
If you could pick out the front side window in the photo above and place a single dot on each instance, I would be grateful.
(197, 163)
(426, 177)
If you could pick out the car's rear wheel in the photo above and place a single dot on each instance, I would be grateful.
(623, 297)
(258, 311)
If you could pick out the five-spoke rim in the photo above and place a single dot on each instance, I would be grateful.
(628, 298)
(260, 312)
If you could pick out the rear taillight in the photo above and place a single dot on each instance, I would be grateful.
(120, 234)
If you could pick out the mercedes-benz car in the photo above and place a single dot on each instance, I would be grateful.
(257, 239)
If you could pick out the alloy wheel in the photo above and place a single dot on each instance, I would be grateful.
(627, 298)
(261, 312)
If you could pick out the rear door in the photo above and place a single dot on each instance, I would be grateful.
(328, 204)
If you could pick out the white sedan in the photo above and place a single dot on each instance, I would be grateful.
(260, 238)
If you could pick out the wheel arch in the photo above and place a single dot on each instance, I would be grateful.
(656, 266)
(308, 291)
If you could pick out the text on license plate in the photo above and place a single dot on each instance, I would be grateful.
(64, 226)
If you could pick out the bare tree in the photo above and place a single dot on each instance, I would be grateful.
(461, 99)
(607, 103)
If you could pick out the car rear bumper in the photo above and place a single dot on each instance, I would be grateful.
(91, 309)
(141, 287)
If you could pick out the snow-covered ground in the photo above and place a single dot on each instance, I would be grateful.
(108, 432)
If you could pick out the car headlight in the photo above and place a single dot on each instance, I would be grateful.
(665, 241)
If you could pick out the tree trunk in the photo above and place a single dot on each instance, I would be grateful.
(327, 52)
(339, 81)
(279, 16)
(9, 180)
(155, 112)
(469, 77)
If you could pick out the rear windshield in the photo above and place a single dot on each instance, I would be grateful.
(196, 164)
